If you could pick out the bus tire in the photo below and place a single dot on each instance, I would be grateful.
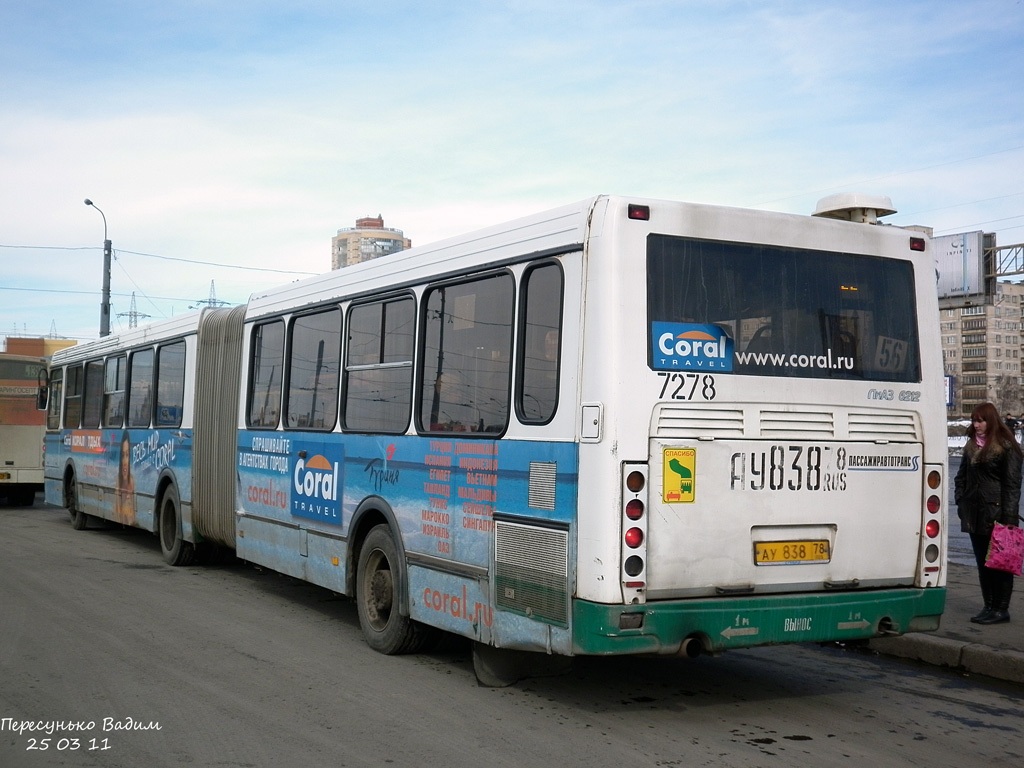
(386, 630)
(175, 549)
(79, 520)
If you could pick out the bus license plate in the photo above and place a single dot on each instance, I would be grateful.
(791, 552)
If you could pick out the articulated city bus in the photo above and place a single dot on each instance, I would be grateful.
(625, 426)
(21, 428)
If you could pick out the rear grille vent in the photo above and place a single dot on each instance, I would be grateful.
(893, 426)
(797, 425)
(673, 421)
(681, 422)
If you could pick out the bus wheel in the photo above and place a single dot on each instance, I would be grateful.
(79, 520)
(385, 628)
(175, 549)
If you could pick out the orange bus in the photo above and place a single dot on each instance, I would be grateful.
(22, 427)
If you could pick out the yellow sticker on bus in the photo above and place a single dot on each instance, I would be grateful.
(679, 478)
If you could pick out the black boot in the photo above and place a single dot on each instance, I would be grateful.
(1002, 589)
(983, 613)
(984, 578)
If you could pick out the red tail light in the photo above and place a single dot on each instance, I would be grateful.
(639, 212)
(634, 509)
(634, 538)
(633, 516)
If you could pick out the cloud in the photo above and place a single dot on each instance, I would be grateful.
(248, 133)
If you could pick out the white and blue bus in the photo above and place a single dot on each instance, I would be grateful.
(625, 426)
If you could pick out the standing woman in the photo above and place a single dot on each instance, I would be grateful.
(987, 491)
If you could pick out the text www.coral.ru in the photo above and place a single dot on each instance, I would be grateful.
(826, 361)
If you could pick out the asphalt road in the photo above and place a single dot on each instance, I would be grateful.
(142, 664)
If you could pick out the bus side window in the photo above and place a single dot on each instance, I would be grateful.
(266, 370)
(140, 389)
(311, 400)
(466, 356)
(540, 344)
(378, 366)
(56, 395)
(73, 404)
(170, 384)
(93, 406)
(113, 392)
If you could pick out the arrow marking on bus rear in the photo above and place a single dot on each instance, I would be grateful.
(732, 632)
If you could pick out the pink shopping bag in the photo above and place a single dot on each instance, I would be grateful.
(1006, 550)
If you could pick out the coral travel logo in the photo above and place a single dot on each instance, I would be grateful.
(316, 489)
(690, 347)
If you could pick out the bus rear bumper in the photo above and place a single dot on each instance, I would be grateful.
(712, 625)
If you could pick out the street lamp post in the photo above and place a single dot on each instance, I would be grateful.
(105, 303)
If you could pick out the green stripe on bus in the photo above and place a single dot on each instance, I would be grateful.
(743, 622)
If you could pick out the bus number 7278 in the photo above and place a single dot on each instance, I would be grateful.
(687, 386)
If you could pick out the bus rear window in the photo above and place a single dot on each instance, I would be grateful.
(769, 311)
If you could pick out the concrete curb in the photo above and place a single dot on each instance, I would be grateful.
(975, 658)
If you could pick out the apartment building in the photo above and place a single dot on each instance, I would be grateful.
(981, 349)
(368, 239)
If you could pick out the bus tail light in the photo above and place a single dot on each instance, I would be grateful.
(931, 562)
(634, 509)
(633, 516)
(638, 212)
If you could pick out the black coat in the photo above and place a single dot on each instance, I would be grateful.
(987, 487)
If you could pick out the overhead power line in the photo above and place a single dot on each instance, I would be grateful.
(162, 258)
(83, 293)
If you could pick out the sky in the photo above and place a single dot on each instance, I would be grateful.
(226, 142)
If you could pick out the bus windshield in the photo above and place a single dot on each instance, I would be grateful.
(19, 382)
(785, 311)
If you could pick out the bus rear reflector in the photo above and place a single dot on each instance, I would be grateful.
(631, 620)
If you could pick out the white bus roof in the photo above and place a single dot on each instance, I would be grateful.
(552, 230)
(180, 325)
